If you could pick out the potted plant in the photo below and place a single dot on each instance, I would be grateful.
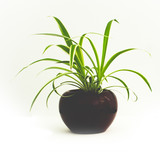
(90, 108)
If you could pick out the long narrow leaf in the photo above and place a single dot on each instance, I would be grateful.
(47, 47)
(59, 68)
(105, 41)
(57, 35)
(90, 59)
(79, 55)
(49, 97)
(93, 33)
(115, 56)
(53, 34)
(123, 87)
(89, 70)
(45, 59)
(79, 64)
(72, 82)
(53, 90)
(124, 84)
(79, 50)
(60, 75)
(95, 53)
(64, 48)
(139, 74)
(67, 63)
(67, 50)
(78, 75)
(64, 31)
(72, 54)
(78, 82)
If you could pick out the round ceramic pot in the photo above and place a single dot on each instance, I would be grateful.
(88, 112)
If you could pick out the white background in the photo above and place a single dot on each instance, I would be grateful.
(136, 127)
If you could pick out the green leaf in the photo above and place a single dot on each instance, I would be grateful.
(49, 97)
(57, 35)
(77, 61)
(45, 59)
(78, 82)
(115, 56)
(58, 76)
(79, 55)
(135, 96)
(95, 33)
(73, 83)
(64, 48)
(59, 68)
(82, 76)
(47, 48)
(139, 74)
(54, 90)
(72, 54)
(124, 84)
(53, 34)
(78, 75)
(95, 52)
(88, 68)
(64, 31)
(67, 63)
(105, 41)
(67, 50)
(125, 88)
(90, 59)
(90, 33)
(79, 52)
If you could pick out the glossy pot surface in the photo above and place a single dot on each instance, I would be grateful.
(88, 112)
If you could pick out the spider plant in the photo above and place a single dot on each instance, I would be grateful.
(88, 79)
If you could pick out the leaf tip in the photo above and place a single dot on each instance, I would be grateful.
(49, 16)
(30, 109)
(150, 89)
(116, 21)
(55, 18)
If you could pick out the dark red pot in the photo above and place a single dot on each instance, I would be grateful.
(88, 112)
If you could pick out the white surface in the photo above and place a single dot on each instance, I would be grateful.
(136, 127)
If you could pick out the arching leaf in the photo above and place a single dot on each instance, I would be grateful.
(124, 84)
(115, 56)
(105, 41)
(139, 74)
(64, 32)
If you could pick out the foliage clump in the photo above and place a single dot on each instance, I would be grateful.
(82, 76)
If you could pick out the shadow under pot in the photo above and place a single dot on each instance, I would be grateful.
(88, 112)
